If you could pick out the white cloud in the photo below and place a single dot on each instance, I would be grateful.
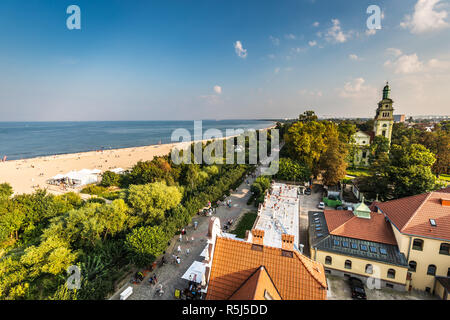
(290, 36)
(405, 64)
(316, 24)
(240, 51)
(410, 64)
(311, 93)
(438, 64)
(277, 70)
(426, 17)
(312, 43)
(354, 57)
(271, 56)
(274, 40)
(394, 52)
(335, 33)
(218, 89)
(357, 89)
(371, 32)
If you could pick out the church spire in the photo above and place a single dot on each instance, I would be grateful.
(386, 91)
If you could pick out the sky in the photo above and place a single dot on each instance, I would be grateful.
(221, 59)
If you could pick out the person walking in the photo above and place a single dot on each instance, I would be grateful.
(179, 249)
(155, 280)
(195, 225)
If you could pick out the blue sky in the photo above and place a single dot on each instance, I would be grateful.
(154, 60)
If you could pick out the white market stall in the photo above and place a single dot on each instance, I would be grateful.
(196, 273)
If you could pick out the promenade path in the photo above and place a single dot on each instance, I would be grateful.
(170, 274)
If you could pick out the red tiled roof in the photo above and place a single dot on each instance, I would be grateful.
(255, 287)
(411, 215)
(234, 262)
(345, 224)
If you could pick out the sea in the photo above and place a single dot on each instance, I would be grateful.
(22, 140)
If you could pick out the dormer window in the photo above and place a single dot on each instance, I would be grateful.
(433, 222)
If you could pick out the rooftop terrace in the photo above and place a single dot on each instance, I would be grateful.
(279, 214)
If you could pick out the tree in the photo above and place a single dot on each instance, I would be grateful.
(6, 191)
(11, 221)
(114, 217)
(333, 161)
(379, 149)
(346, 131)
(52, 256)
(307, 116)
(145, 244)
(152, 200)
(291, 170)
(109, 179)
(406, 172)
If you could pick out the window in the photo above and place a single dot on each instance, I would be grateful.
(384, 133)
(320, 234)
(364, 154)
(373, 249)
(328, 260)
(431, 270)
(428, 289)
(389, 285)
(412, 266)
(391, 273)
(418, 244)
(433, 222)
(348, 264)
(369, 268)
(383, 251)
(448, 272)
(354, 246)
(267, 295)
(345, 244)
(336, 242)
(363, 247)
(385, 125)
(444, 249)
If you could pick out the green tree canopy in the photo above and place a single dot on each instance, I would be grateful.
(146, 243)
(153, 200)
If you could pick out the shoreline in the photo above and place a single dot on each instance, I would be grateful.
(28, 174)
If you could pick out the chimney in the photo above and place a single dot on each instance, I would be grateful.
(257, 236)
(287, 242)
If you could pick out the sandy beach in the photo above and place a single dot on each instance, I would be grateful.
(27, 175)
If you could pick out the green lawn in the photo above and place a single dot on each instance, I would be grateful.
(359, 172)
(245, 223)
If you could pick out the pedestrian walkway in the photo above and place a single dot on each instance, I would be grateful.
(170, 274)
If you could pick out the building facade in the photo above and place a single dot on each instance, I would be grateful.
(421, 225)
(358, 244)
(383, 126)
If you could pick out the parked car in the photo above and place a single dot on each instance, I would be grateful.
(321, 205)
(339, 208)
(308, 191)
(357, 289)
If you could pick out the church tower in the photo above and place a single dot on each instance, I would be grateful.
(384, 119)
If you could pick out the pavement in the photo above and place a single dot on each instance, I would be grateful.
(170, 274)
(339, 289)
(308, 203)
